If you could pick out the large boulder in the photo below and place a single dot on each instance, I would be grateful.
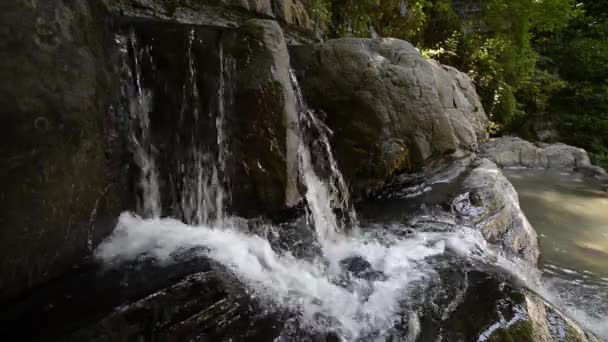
(61, 163)
(262, 121)
(516, 152)
(389, 107)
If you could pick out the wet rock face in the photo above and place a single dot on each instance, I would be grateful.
(261, 122)
(491, 310)
(490, 201)
(193, 298)
(65, 161)
(390, 108)
(291, 14)
(465, 191)
(196, 299)
(61, 157)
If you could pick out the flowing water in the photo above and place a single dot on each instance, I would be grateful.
(202, 193)
(198, 178)
(570, 214)
(139, 106)
(323, 196)
(361, 282)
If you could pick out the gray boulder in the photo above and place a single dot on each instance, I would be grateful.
(562, 156)
(516, 152)
(489, 200)
(389, 107)
(512, 151)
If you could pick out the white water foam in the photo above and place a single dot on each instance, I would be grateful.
(311, 288)
(323, 196)
(317, 289)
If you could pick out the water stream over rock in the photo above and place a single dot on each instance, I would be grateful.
(245, 229)
(365, 281)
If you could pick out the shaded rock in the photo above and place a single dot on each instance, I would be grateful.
(390, 108)
(490, 201)
(201, 306)
(494, 311)
(62, 160)
(540, 128)
(192, 298)
(262, 121)
(460, 190)
(291, 14)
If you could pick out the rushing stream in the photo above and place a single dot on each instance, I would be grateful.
(354, 279)
(357, 284)
(570, 214)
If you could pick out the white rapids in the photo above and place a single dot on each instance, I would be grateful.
(326, 296)
(309, 287)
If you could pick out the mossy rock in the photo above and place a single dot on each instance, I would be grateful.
(519, 332)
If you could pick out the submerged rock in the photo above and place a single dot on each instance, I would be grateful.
(389, 107)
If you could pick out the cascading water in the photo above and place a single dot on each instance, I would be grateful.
(202, 193)
(362, 284)
(322, 196)
(357, 286)
(197, 180)
(139, 106)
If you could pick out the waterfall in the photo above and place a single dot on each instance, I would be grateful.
(202, 193)
(140, 140)
(227, 67)
(323, 196)
(196, 184)
(360, 284)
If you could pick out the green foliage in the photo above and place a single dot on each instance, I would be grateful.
(360, 18)
(579, 54)
(320, 11)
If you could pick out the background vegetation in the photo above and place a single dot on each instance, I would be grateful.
(536, 63)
